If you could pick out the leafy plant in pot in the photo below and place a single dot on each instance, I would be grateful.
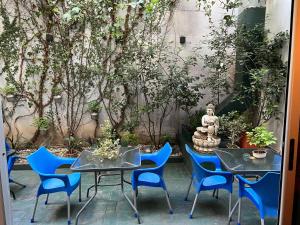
(261, 138)
(94, 107)
(9, 91)
(42, 123)
(57, 94)
(233, 125)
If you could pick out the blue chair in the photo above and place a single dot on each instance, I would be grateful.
(152, 177)
(263, 193)
(44, 164)
(10, 164)
(204, 179)
(205, 159)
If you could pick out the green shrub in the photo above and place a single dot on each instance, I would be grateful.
(195, 119)
(261, 137)
(128, 138)
(41, 123)
(94, 106)
(8, 90)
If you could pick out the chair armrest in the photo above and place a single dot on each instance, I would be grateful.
(63, 177)
(211, 159)
(148, 157)
(244, 181)
(227, 175)
(66, 161)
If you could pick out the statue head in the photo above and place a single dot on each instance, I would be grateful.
(210, 109)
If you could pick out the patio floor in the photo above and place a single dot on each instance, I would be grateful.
(110, 208)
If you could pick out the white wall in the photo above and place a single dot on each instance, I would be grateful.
(278, 18)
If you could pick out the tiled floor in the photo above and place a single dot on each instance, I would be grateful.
(110, 208)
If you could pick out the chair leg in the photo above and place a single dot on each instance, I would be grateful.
(229, 205)
(69, 210)
(46, 202)
(195, 201)
(239, 211)
(36, 202)
(80, 190)
(13, 195)
(189, 188)
(262, 221)
(134, 201)
(168, 201)
(15, 182)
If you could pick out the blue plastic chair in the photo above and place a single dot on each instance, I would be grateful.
(10, 164)
(152, 177)
(44, 164)
(205, 159)
(263, 193)
(204, 179)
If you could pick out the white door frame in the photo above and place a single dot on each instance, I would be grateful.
(5, 204)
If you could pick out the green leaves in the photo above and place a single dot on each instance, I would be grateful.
(261, 137)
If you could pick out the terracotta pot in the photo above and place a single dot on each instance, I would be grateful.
(244, 142)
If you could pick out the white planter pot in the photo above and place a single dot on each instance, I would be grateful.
(10, 98)
(94, 116)
(57, 98)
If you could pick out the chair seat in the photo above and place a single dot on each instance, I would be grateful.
(149, 177)
(54, 184)
(214, 181)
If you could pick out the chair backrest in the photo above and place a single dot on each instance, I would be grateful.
(7, 146)
(10, 163)
(161, 157)
(43, 161)
(268, 188)
(198, 171)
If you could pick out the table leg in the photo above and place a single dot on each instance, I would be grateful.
(232, 211)
(89, 201)
(127, 198)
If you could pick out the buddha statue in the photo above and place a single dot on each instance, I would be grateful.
(205, 138)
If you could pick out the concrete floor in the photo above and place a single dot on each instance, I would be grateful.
(110, 208)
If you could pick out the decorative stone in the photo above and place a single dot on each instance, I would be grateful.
(205, 138)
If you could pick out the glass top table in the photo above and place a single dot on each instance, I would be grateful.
(129, 159)
(241, 161)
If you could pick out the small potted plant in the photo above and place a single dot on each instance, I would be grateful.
(94, 107)
(9, 91)
(42, 123)
(57, 94)
(261, 138)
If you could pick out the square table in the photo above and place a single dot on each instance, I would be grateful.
(129, 159)
(240, 161)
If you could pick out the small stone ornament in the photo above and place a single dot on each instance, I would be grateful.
(205, 138)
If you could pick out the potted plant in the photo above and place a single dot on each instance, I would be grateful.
(261, 138)
(42, 123)
(233, 125)
(9, 91)
(57, 94)
(94, 107)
